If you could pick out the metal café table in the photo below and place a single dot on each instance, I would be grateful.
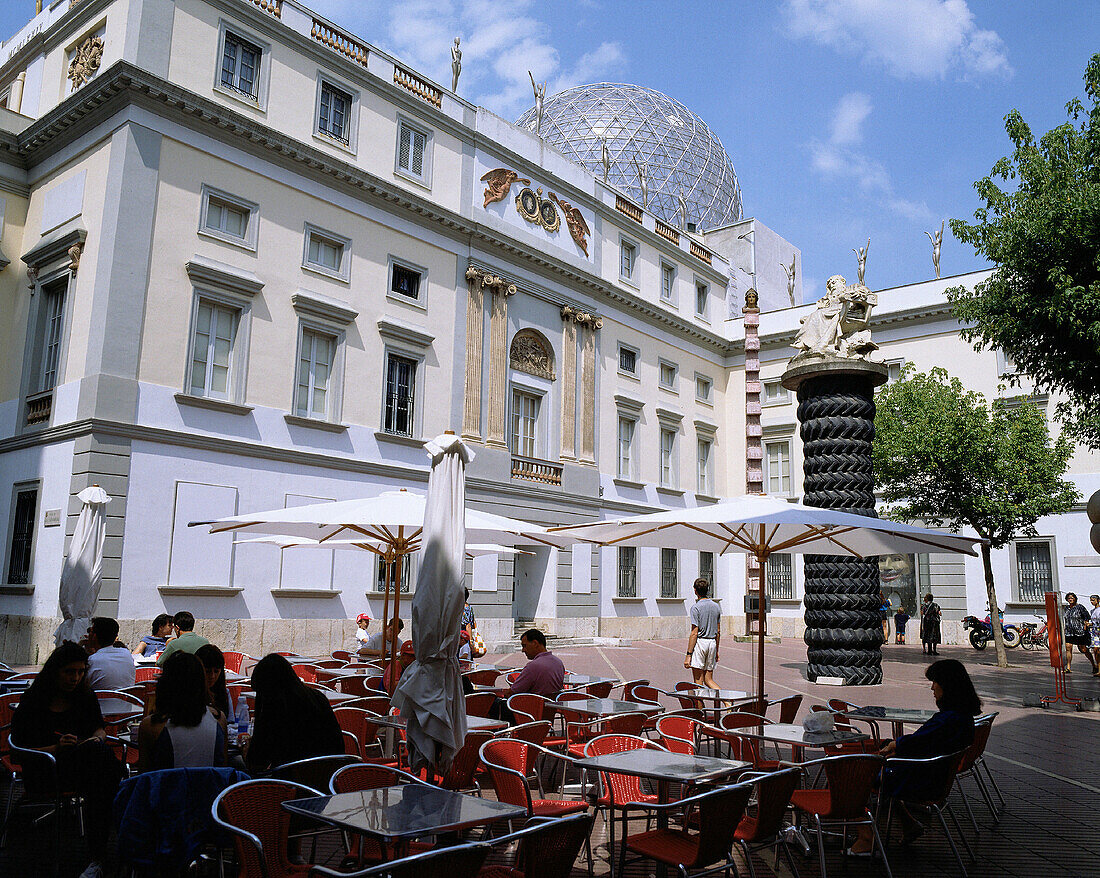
(602, 707)
(665, 768)
(473, 723)
(573, 681)
(334, 698)
(718, 696)
(797, 738)
(896, 716)
(400, 813)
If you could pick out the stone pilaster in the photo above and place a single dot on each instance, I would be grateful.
(591, 326)
(475, 329)
(569, 384)
(498, 352)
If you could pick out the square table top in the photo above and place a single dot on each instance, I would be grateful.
(572, 679)
(666, 766)
(473, 723)
(795, 735)
(601, 706)
(405, 811)
(704, 693)
(892, 714)
(334, 698)
(114, 707)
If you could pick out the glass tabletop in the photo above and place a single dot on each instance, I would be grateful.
(892, 714)
(405, 811)
(118, 707)
(660, 765)
(586, 680)
(473, 723)
(600, 706)
(705, 694)
(796, 735)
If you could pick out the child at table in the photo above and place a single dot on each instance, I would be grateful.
(361, 623)
(901, 617)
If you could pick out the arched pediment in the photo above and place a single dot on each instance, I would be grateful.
(532, 353)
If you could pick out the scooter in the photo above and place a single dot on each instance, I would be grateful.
(1033, 636)
(981, 632)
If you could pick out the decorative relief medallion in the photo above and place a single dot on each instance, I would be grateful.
(535, 209)
(531, 353)
(578, 228)
(499, 183)
(86, 60)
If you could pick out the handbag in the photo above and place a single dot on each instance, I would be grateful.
(477, 645)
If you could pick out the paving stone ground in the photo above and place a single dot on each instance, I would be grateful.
(1047, 762)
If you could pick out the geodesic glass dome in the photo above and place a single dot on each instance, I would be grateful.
(682, 153)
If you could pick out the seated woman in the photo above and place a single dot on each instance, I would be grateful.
(950, 730)
(213, 664)
(153, 643)
(183, 731)
(291, 721)
(59, 714)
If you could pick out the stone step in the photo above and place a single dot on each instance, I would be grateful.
(554, 642)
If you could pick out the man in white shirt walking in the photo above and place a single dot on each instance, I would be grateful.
(702, 650)
(109, 666)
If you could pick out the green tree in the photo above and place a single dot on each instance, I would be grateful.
(946, 456)
(1040, 228)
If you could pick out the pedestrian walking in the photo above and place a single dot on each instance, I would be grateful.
(901, 619)
(1075, 626)
(1094, 631)
(930, 625)
(702, 651)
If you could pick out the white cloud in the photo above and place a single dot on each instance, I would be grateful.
(926, 39)
(848, 118)
(501, 41)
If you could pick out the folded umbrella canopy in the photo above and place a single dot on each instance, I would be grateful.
(82, 573)
(429, 693)
(760, 525)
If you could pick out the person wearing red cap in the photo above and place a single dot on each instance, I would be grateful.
(361, 623)
(394, 670)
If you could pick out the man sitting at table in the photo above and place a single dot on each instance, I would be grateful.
(544, 674)
(186, 640)
(372, 647)
(110, 666)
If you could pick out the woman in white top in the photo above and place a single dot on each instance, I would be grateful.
(183, 731)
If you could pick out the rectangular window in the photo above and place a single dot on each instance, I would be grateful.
(400, 393)
(670, 579)
(627, 252)
(212, 349)
(628, 572)
(780, 578)
(706, 567)
(668, 458)
(703, 482)
(227, 217)
(384, 572)
(702, 297)
(22, 536)
(53, 325)
(525, 420)
(625, 468)
(668, 375)
(1033, 571)
(778, 461)
(702, 388)
(668, 282)
(412, 145)
(893, 370)
(628, 360)
(240, 65)
(327, 253)
(315, 361)
(405, 282)
(775, 393)
(334, 113)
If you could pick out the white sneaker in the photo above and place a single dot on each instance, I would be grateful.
(94, 870)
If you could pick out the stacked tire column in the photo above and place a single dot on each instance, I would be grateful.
(836, 410)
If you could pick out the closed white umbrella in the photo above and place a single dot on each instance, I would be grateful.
(429, 693)
(82, 572)
(760, 525)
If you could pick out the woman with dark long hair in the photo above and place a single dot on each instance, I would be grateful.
(213, 663)
(59, 714)
(153, 643)
(184, 731)
(948, 731)
(291, 721)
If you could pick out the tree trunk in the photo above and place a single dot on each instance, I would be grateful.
(994, 611)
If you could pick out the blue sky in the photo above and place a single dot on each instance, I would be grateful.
(845, 119)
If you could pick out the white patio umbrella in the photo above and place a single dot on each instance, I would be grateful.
(390, 525)
(429, 693)
(82, 572)
(760, 525)
(475, 550)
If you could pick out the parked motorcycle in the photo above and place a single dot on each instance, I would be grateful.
(1033, 636)
(981, 632)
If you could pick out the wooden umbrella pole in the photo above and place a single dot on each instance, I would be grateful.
(762, 560)
(397, 591)
(383, 558)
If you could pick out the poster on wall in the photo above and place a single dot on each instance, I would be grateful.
(897, 579)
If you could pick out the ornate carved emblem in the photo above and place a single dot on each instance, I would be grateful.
(86, 60)
(535, 209)
(499, 182)
(486, 280)
(531, 353)
(581, 318)
(578, 228)
(74, 256)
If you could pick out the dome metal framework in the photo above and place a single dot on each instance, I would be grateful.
(682, 153)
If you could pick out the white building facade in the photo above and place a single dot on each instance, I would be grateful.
(250, 261)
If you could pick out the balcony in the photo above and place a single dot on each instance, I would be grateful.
(39, 408)
(532, 469)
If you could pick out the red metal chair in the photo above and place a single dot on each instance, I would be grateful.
(548, 848)
(252, 811)
(507, 762)
(456, 861)
(461, 777)
(746, 749)
(512, 676)
(839, 710)
(146, 673)
(342, 655)
(844, 800)
(306, 673)
(528, 708)
(628, 687)
(360, 724)
(686, 701)
(788, 708)
(234, 661)
(372, 776)
(356, 684)
(479, 703)
(379, 705)
(972, 761)
(767, 828)
(598, 690)
(936, 778)
(719, 813)
(679, 734)
(483, 677)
